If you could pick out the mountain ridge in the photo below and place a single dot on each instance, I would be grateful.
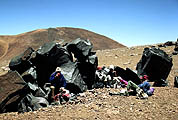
(12, 45)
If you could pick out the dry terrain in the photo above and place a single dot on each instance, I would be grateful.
(98, 104)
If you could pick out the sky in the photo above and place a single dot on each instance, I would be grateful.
(130, 22)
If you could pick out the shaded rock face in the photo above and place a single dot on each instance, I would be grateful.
(10, 85)
(33, 69)
(156, 64)
(37, 66)
(127, 74)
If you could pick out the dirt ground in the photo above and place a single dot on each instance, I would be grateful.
(98, 104)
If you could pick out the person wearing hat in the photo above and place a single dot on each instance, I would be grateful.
(58, 81)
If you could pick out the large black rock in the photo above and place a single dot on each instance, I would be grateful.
(21, 101)
(133, 76)
(35, 68)
(39, 64)
(10, 88)
(127, 74)
(30, 75)
(31, 103)
(155, 63)
(88, 69)
(87, 60)
(80, 48)
(74, 79)
(21, 62)
(176, 46)
(48, 57)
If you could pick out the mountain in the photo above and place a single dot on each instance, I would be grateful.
(12, 45)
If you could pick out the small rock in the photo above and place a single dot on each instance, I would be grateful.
(126, 63)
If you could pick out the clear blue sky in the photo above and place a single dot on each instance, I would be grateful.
(130, 22)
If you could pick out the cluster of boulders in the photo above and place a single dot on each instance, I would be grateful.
(78, 63)
(171, 43)
(35, 68)
(154, 63)
(168, 43)
(176, 48)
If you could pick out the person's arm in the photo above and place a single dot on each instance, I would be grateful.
(141, 85)
(52, 77)
(63, 81)
(123, 81)
(145, 86)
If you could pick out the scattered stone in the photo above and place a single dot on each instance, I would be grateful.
(126, 63)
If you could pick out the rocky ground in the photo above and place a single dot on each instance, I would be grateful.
(98, 104)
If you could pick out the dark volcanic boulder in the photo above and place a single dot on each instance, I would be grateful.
(47, 58)
(21, 62)
(80, 48)
(88, 69)
(75, 82)
(155, 63)
(127, 74)
(31, 103)
(54, 53)
(176, 46)
(132, 76)
(43, 62)
(29, 98)
(30, 75)
(10, 82)
(121, 72)
(87, 60)
(35, 68)
(11, 86)
(80, 76)
(169, 43)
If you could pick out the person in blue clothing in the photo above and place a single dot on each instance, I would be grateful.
(58, 81)
(145, 85)
(142, 88)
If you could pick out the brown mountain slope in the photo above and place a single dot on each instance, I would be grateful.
(3, 48)
(12, 45)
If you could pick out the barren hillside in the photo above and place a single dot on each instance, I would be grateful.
(11, 46)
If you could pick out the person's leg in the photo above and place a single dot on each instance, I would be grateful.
(131, 85)
(52, 92)
(109, 80)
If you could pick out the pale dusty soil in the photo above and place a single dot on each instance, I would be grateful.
(163, 105)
